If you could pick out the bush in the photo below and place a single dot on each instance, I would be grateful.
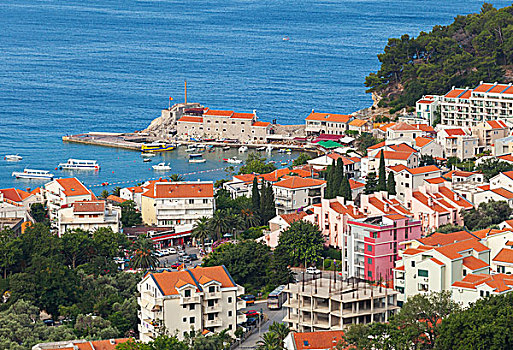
(331, 253)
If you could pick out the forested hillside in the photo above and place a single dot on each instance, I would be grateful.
(474, 48)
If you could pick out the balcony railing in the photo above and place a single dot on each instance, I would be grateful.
(189, 300)
(212, 295)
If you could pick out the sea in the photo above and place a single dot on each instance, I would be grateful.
(76, 66)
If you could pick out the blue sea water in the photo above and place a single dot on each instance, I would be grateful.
(110, 65)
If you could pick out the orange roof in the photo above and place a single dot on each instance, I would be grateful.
(505, 255)
(454, 93)
(290, 218)
(499, 88)
(400, 268)
(450, 195)
(506, 157)
(299, 182)
(424, 199)
(179, 190)
(116, 199)
(487, 232)
(466, 94)
(452, 251)
(425, 101)
(402, 147)
(107, 344)
(483, 88)
(237, 115)
(398, 168)
(378, 145)
(473, 263)
(386, 126)
(89, 207)
(169, 281)
(91, 344)
(334, 118)
(497, 124)
(357, 122)
(73, 187)
(355, 184)
(15, 195)
(413, 251)
(441, 239)
(459, 173)
(191, 119)
(136, 189)
(394, 155)
(317, 340)
(422, 141)
(423, 169)
(436, 180)
(261, 124)
(455, 132)
(503, 193)
(218, 113)
(499, 282)
(424, 127)
(346, 209)
(36, 190)
(436, 261)
(403, 126)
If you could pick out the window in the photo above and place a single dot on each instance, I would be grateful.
(369, 273)
(191, 307)
(229, 326)
(229, 313)
(369, 248)
(423, 273)
(187, 293)
(184, 319)
(210, 317)
(191, 201)
(205, 201)
(481, 293)
(369, 261)
(413, 264)
(229, 300)
(211, 289)
(210, 303)
(192, 320)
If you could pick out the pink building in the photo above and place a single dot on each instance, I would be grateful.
(374, 242)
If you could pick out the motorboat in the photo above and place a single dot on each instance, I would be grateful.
(161, 167)
(285, 38)
(284, 163)
(190, 148)
(232, 160)
(13, 157)
(79, 164)
(260, 148)
(243, 149)
(157, 147)
(33, 174)
(289, 152)
(281, 150)
(269, 149)
(147, 154)
(226, 148)
(196, 158)
(146, 160)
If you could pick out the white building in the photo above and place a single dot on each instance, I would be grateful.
(89, 216)
(427, 107)
(295, 193)
(203, 298)
(407, 179)
(458, 143)
(327, 123)
(62, 192)
(15, 203)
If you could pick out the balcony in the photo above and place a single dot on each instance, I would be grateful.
(212, 295)
(322, 309)
(214, 323)
(212, 309)
(241, 318)
(241, 304)
(189, 300)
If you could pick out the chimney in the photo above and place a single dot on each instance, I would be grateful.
(456, 197)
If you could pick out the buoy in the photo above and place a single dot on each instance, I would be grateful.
(113, 172)
(55, 168)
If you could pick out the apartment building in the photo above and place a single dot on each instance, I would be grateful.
(294, 193)
(221, 124)
(15, 203)
(503, 146)
(327, 123)
(88, 216)
(374, 242)
(325, 340)
(427, 108)
(469, 107)
(352, 165)
(488, 132)
(407, 179)
(277, 225)
(177, 203)
(359, 125)
(403, 132)
(61, 192)
(398, 154)
(203, 298)
(325, 304)
(458, 143)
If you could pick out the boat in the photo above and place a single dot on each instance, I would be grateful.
(261, 148)
(13, 157)
(285, 38)
(79, 164)
(269, 149)
(289, 152)
(190, 148)
(196, 158)
(161, 167)
(243, 149)
(226, 148)
(146, 160)
(233, 160)
(157, 147)
(33, 174)
(147, 154)
(284, 163)
(281, 150)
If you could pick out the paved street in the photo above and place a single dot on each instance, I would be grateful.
(169, 260)
(273, 315)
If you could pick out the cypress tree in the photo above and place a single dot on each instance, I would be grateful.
(329, 181)
(267, 204)
(391, 184)
(345, 189)
(382, 181)
(339, 176)
(372, 184)
(255, 197)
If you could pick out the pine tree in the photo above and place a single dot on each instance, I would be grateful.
(330, 175)
(255, 197)
(345, 189)
(391, 184)
(372, 184)
(267, 205)
(339, 176)
(382, 181)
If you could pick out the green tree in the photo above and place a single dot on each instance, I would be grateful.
(255, 196)
(249, 218)
(345, 189)
(382, 179)
(96, 327)
(270, 341)
(176, 178)
(281, 329)
(144, 254)
(267, 203)
(371, 184)
(330, 191)
(130, 216)
(219, 224)
(301, 242)
(449, 228)
(39, 213)
(492, 167)
(391, 185)
(201, 230)
(77, 246)
(9, 251)
(364, 141)
(116, 191)
(303, 158)
(104, 194)
(256, 164)
(338, 177)
(486, 215)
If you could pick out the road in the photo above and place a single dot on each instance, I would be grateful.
(169, 260)
(273, 316)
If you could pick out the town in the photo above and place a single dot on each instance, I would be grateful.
(377, 219)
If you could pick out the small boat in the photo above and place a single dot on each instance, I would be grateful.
(289, 152)
(233, 160)
(146, 160)
(260, 148)
(161, 167)
(190, 148)
(157, 147)
(226, 148)
(285, 38)
(281, 150)
(79, 164)
(13, 157)
(33, 174)
(196, 158)
(243, 149)
(146, 154)
(269, 149)
(284, 163)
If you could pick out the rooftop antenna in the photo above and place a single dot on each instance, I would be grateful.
(185, 91)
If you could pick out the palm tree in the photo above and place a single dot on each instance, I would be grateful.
(281, 329)
(144, 254)
(104, 194)
(219, 223)
(201, 230)
(249, 218)
(176, 178)
(116, 191)
(270, 341)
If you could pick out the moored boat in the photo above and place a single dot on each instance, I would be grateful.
(260, 148)
(161, 167)
(243, 149)
(12, 157)
(196, 158)
(226, 148)
(190, 148)
(147, 154)
(232, 160)
(157, 147)
(33, 174)
(79, 164)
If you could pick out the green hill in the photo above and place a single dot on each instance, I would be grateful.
(474, 48)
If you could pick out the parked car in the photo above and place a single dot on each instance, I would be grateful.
(249, 299)
(164, 251)
(184, 258)
(251, 313)
(171, 250)
(313, 271)
(158, 253)
(176, 265)
(193, 257)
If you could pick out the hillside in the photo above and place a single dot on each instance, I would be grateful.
(477, 47)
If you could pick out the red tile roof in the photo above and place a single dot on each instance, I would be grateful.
(73, 187)
(116, 199)
(455, 132)
(455, 93)
(89, 207)
(394, 155)
(378, 145)
(190, 119)
(329, 117)
(436, 261)
(473, 263)
(243, 115)
(422, 141)
(261, 124)
(483, 88)
(398, 168)
(499, 282)
(441, 239)
(317, 340)
(423, 169)
(503, 193)
(424, 127)
(218, 113)
(346, 209)
(403, 126)
(179, 190)
(402, 147)
(290, 218)
(299, 182)
(355, 184)
(497, 124)
(425, 101)
(505, 255)
(453, 251)
(436, 180)
(15, 195)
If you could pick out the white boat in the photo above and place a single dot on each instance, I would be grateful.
(226, 148)
(243, 149)
(190, 148)
(33, 174)
(146, 160)
(196, 158)
(233, 160)
(261, 148)
(289, 152)
(281, 150)
(161, 167)
(269, 149)
(13, 157)
(79, 164)
(146, 154)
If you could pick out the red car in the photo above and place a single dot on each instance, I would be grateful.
(251, 313)
(175, 266)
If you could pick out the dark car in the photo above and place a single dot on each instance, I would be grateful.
(193, 257)
(249, 299)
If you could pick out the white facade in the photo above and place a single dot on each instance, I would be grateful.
(62, 192)
(296, 193)
(89, 216)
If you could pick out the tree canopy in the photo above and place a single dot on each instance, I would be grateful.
(486, 215)
(256, 163)
(301, 242)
